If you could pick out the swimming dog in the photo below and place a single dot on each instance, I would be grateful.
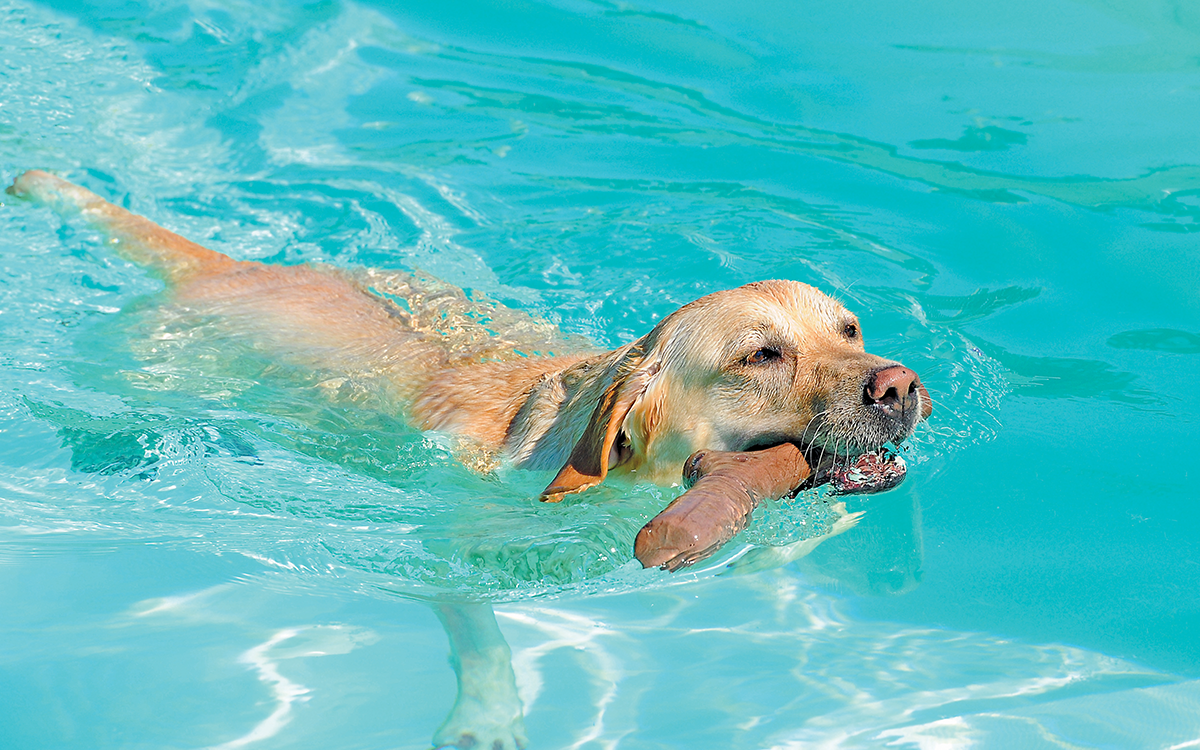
(762, 365)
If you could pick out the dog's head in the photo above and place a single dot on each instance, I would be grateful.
(751, 367)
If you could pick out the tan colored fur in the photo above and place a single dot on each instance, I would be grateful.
(639, 410)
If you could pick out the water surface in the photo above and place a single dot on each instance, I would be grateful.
(197, 552)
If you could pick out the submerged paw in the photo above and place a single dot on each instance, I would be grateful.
(470, 741)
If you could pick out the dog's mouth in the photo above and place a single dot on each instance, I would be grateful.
(870, 471)
(859, 473)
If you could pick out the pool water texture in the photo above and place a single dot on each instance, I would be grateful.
(200, 550)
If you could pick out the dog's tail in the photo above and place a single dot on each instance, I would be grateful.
(137, 239)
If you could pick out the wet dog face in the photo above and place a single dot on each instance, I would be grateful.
(759, 365)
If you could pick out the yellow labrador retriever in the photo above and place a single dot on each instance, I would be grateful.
(762, 365)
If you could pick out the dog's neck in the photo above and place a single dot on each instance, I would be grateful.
(533, 409)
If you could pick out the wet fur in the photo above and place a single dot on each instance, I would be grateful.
(640, 410)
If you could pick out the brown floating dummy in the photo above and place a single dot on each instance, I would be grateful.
(728, 486)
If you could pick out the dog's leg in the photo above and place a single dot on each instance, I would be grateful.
(487, 713)
(135, 238)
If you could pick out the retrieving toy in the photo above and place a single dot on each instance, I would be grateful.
(728, 485)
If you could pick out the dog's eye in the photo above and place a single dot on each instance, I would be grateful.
(850, 331)
(763, 356)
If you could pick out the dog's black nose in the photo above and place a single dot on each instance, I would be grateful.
(893, 390)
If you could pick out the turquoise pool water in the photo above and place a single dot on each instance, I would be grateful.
(197, 552)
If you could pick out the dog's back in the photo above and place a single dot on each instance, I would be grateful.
(397, 329)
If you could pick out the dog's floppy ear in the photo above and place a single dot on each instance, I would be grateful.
(588, 464)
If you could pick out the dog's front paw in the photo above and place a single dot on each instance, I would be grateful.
(477, 727)
(469, 740)
(495, 739)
